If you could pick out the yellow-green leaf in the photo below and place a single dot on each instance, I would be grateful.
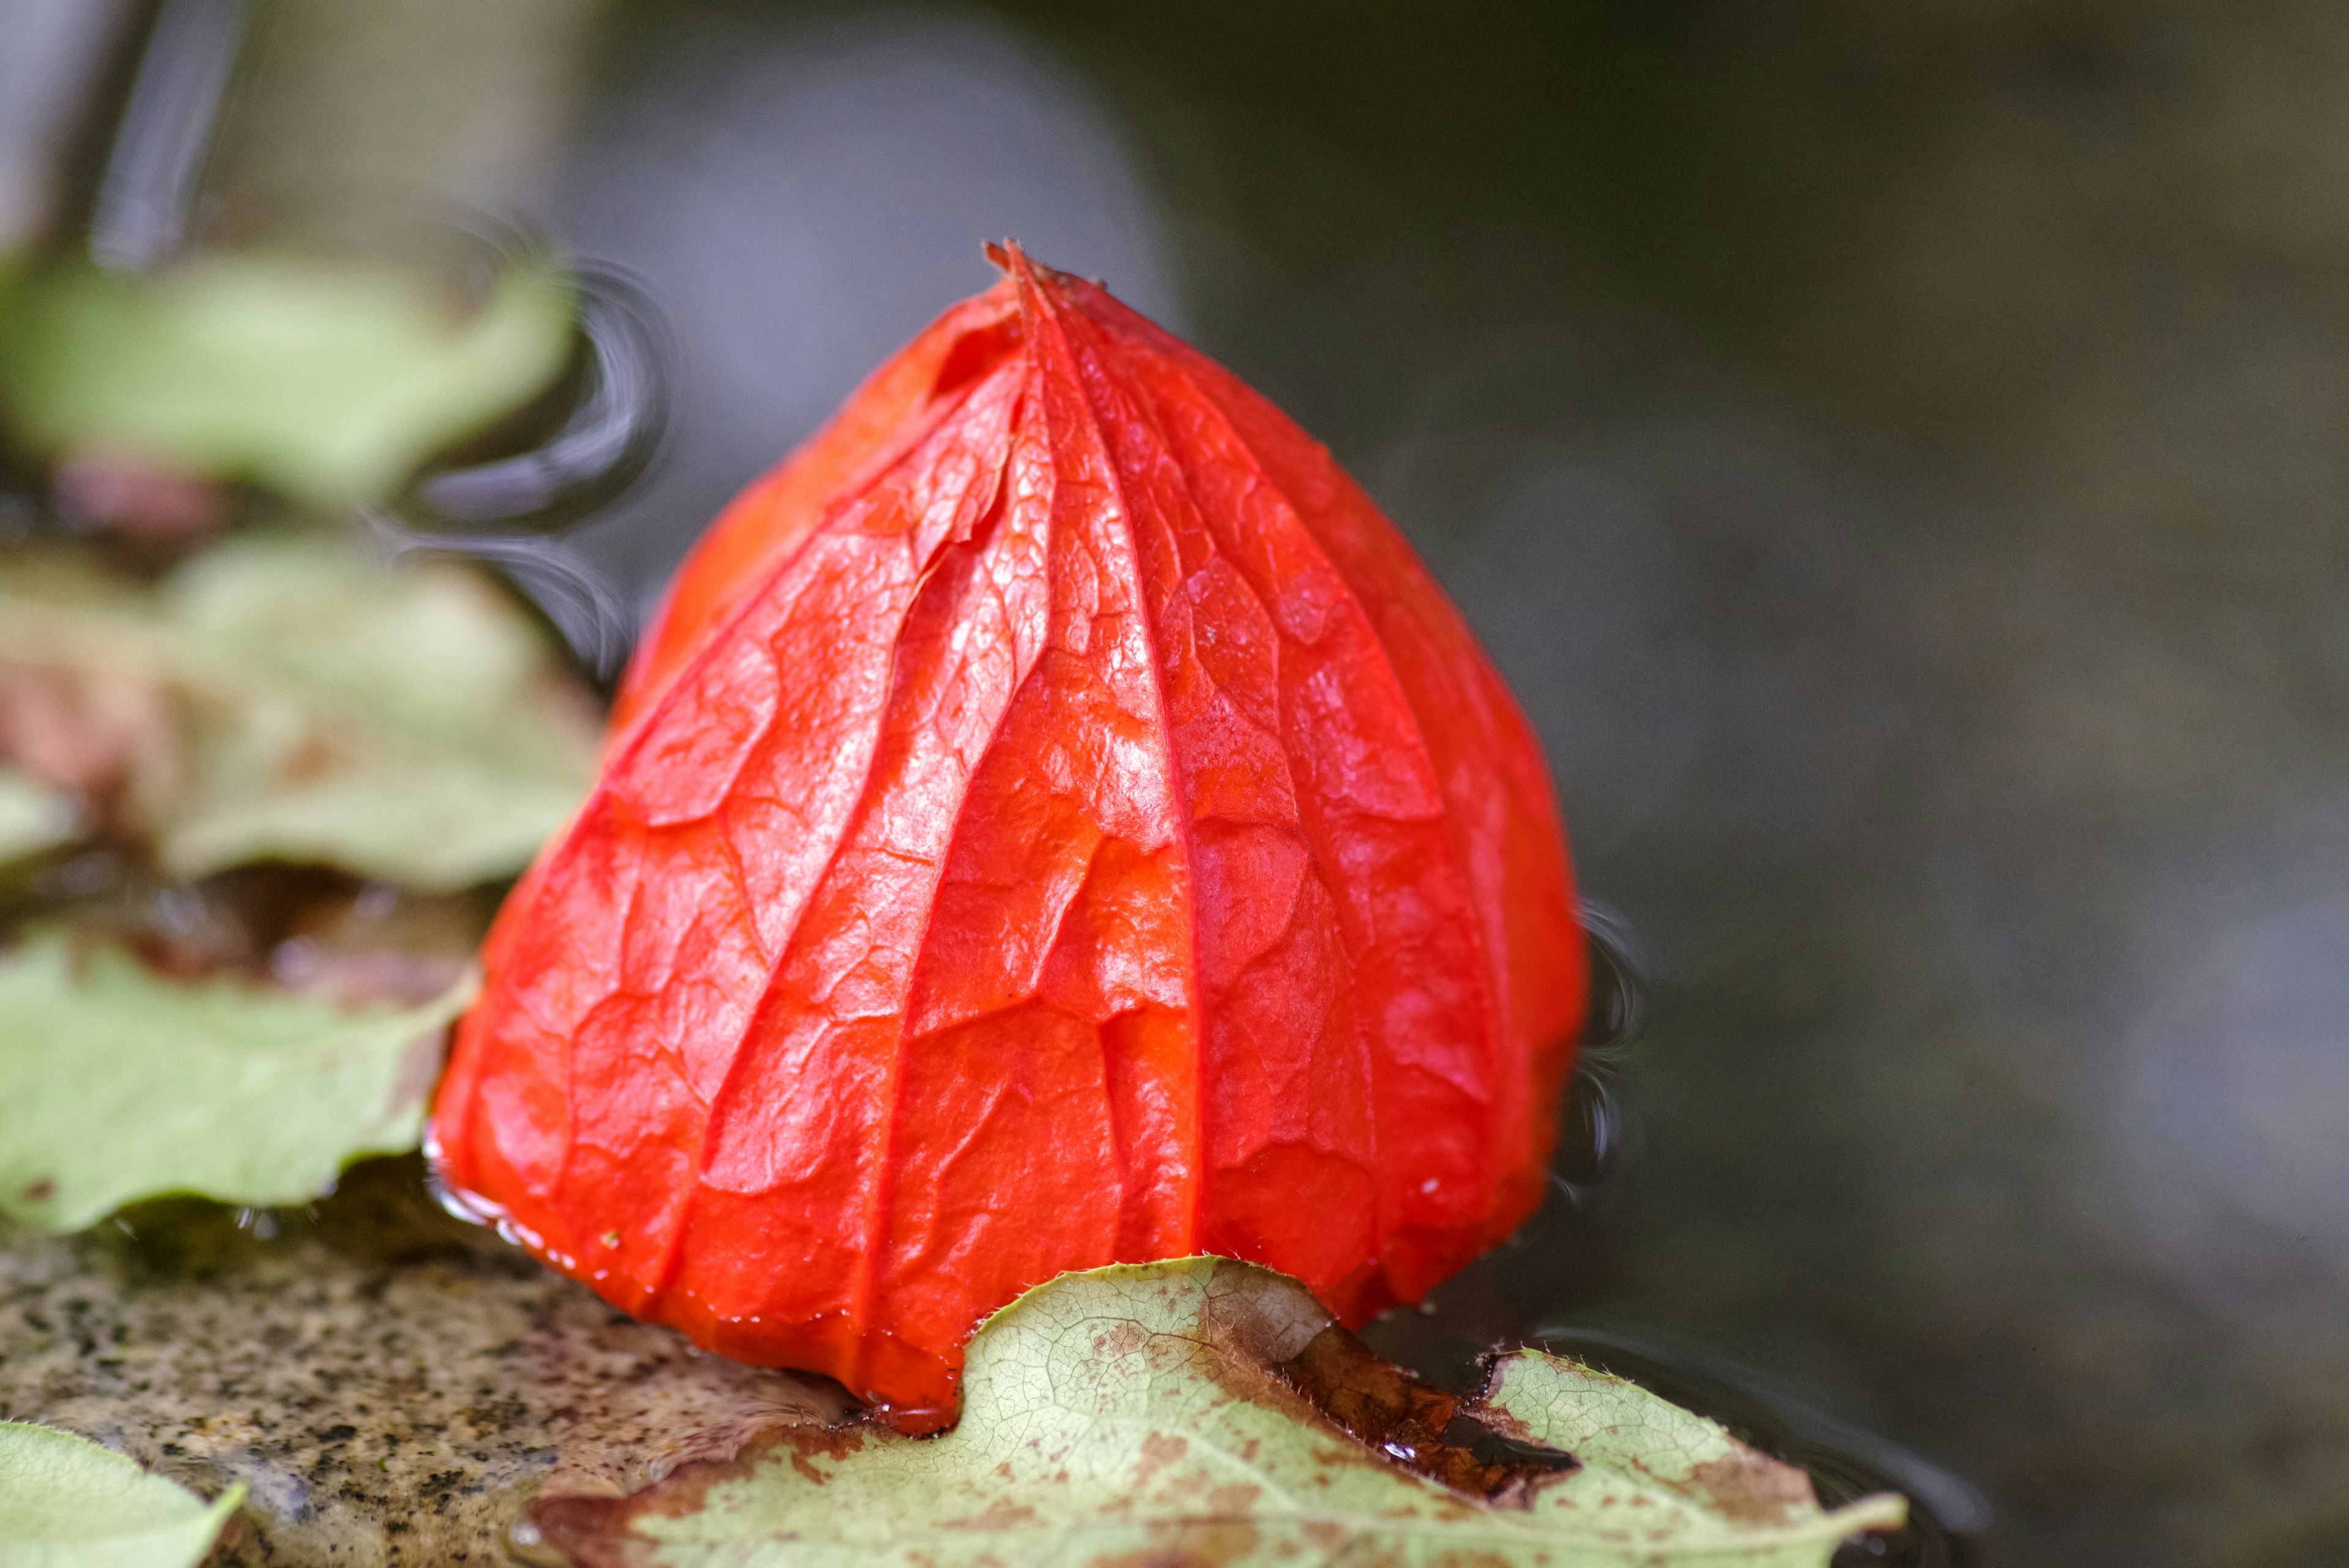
(32, 816)
(65, 1503)
(117, 1084)
(329, 382)
(1136, 1414)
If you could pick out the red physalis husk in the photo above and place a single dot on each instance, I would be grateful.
(1055, 820)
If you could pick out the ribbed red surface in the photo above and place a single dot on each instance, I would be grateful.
(1055, 820)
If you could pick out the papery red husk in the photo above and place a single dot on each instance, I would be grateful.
(1054, 820)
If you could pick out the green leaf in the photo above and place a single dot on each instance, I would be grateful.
(1689, 1481)
(32, 816)
(306, 705)
(117, 1083)
(1139, 1414)
(330, 383)
(65, 1503)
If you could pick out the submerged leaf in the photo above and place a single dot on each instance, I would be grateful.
(283, 698)
(65, 1503)
(329, 383)
(32, 816)
(1151, 1413)
(117, 1083)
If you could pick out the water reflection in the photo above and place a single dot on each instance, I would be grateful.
(1567, 1253)
(584, 444)
(2230, 1103)
(613, 406)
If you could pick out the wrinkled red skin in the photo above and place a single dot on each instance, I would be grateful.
(1055, 821)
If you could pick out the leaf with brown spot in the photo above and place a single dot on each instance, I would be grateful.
(1198, 1412)
(283, 699)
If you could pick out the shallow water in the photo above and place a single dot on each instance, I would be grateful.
(1540, 1289)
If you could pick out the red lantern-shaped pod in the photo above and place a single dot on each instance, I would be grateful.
(1054, 821)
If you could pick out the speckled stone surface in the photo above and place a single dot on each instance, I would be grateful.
(392, 1386)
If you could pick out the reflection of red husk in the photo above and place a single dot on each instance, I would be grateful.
(1055, 820)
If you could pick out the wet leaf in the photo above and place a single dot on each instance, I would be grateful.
(116, 1083)
(330, 383)
(1151, 1414)
(32, 816)
(283, 698)
(1689, 1481)
(65, 1503)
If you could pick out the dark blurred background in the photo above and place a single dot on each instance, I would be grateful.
(1900, 456)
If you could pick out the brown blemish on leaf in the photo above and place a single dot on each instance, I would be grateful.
(806, 1442)
(314, 758)
(836, 1442)
(1234, 1497)
(1001, 1514)
(1194, 1543)
(1325, 1534)
(590, 1531)
(1752, 1489)
(1159, 1449)
(597, 1532)
(87, 732)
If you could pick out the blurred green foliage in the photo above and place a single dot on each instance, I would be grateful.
(329, 383)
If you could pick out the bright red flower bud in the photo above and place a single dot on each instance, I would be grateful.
(1055, 820)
